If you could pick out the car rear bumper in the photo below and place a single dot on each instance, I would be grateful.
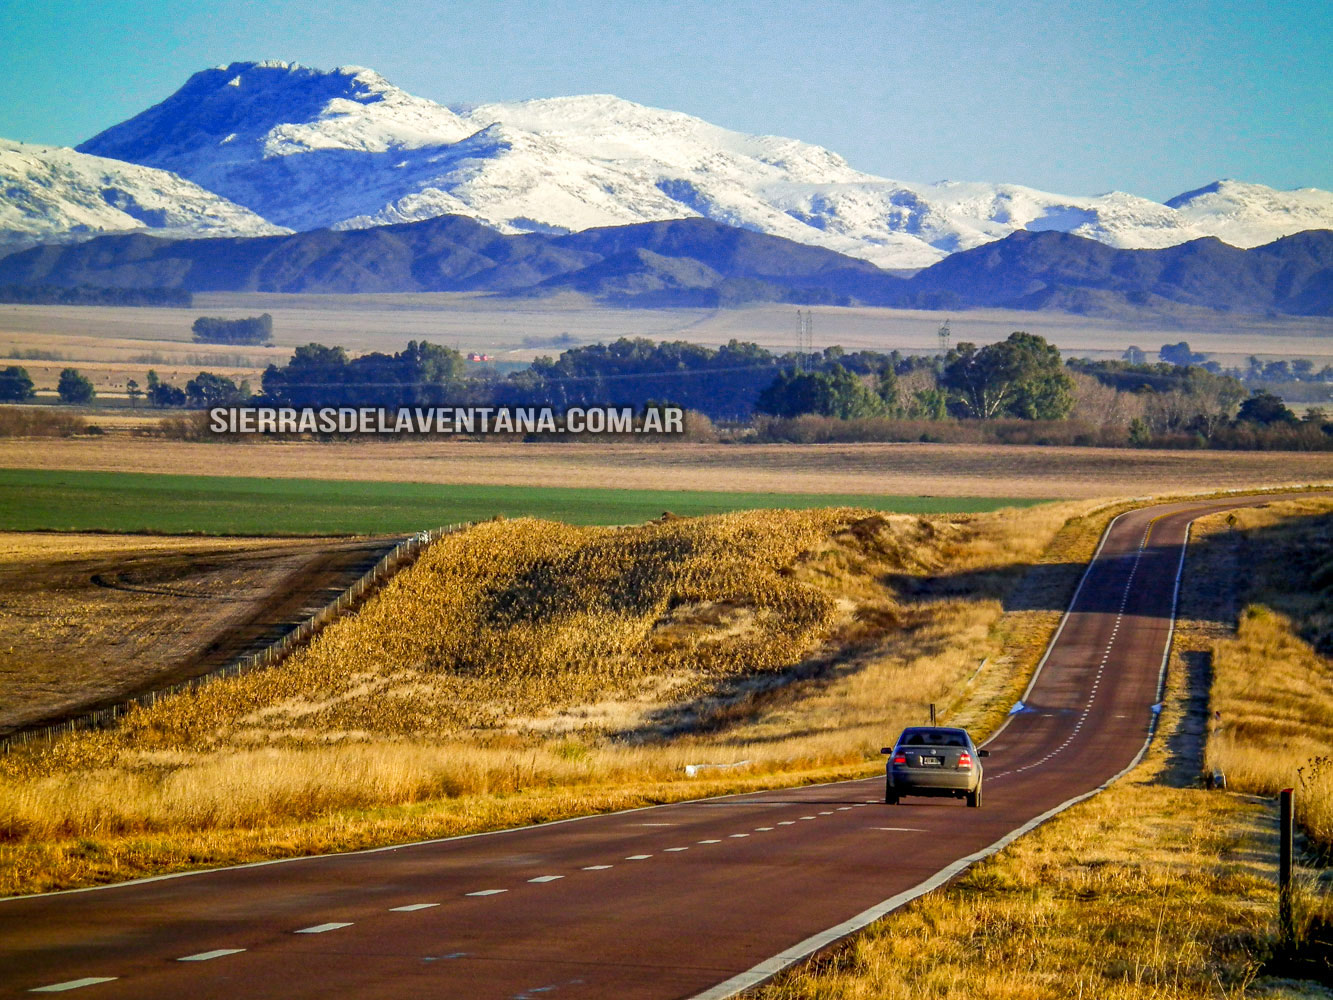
(911, 779)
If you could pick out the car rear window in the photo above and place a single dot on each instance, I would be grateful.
(934, 739)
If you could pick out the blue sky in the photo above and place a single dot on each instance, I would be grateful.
(1073, 97)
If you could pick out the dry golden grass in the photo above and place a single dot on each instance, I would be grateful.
(1272, 689)
(895, 469)
(490, 665)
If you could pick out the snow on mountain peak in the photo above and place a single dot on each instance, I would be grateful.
(1249, 215)
(51, 191)
(345, 148)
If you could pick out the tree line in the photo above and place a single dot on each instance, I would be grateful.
(1021, 380)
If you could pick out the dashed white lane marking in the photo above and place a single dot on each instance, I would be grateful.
(1101, 667)
(545, 878)
(597, 868)
(674, 849)
(900, 829)
(786, 822)
(739, 835)
(843, 809)
(827, 812)
(654, 824)
(762, 829)
(412, 907)
(486, 892)
(808, 817)
(208, 956)
(710, 841)
(324, 928)
(638, 857)
(73, 984)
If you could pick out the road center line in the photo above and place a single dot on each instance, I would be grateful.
(73, 984)
(412, 907)
(486, 892)
(208, 956)
(323, 928)
(597, 868)
(545, 878)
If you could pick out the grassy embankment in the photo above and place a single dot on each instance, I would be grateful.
(1157, 887)
(527, 670)
(56, 500)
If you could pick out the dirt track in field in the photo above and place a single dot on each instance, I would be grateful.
(89, 620)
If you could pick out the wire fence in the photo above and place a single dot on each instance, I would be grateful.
(401, 556)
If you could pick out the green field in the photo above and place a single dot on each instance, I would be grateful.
(52, 500)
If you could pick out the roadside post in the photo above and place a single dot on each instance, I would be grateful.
(1286, 918)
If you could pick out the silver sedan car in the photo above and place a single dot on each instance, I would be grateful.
(934, 760)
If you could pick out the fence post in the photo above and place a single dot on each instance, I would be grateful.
(1286, 918)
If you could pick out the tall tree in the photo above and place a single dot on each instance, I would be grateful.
(834, 393)
(15, 385)
(74, 388)
(1020, 376)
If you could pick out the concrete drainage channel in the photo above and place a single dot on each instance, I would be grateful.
(404, 554)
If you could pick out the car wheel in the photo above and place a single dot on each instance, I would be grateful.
(890, 795)
(974, 799)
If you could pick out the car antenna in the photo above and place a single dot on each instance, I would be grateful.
(932, 713)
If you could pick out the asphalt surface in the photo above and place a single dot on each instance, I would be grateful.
(656, 903)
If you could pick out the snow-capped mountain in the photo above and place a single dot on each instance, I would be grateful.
(346, 149)
(48, 192)
(1249, 215)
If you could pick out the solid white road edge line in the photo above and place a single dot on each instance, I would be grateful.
(771, 967)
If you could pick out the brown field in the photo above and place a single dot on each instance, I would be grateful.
(887, 469)
(500, 326)
(88, 618)
(109, 377)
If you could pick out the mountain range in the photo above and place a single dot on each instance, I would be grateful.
(257, 148)
(699, 262)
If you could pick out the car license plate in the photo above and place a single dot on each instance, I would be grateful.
(932, 761)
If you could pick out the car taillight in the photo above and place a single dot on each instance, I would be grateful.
(899, 758)
(964, 759)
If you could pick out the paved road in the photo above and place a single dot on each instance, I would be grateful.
(665, 902)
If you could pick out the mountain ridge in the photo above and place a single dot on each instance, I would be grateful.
(345, 148)
(699, 262)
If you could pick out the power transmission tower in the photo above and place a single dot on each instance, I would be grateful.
(944, 339)
(806, 338)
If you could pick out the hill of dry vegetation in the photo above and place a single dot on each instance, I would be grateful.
(525, 655)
